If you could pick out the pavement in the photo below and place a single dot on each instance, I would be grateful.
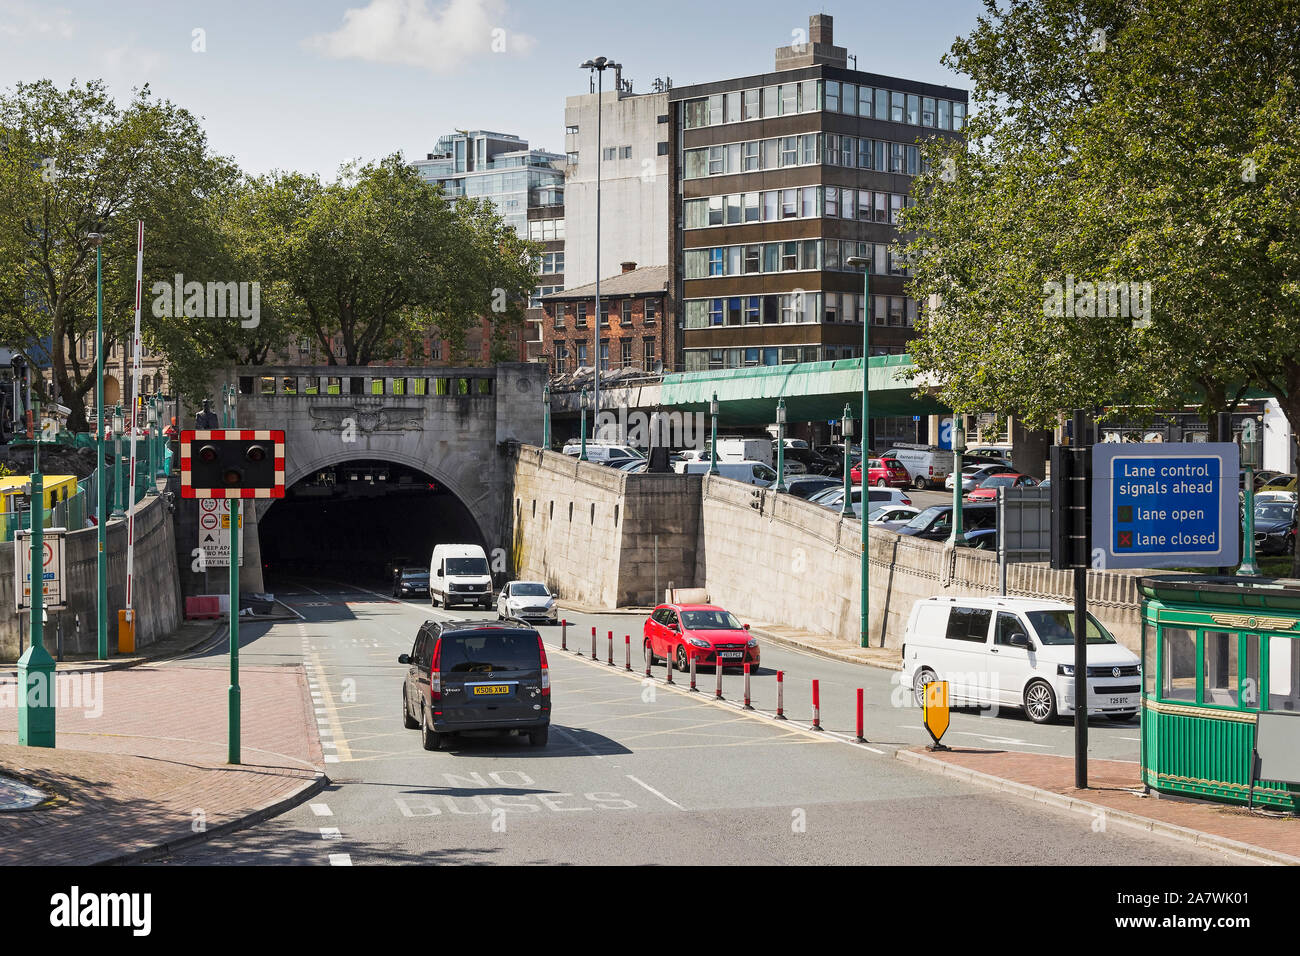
(140, 763)
(1115, 796)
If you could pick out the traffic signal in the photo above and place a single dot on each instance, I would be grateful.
(1071, 506)
(232, 463)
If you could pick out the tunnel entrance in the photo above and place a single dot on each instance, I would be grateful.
(359, 520)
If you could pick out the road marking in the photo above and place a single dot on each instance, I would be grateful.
(331, 833)
(999, 740)
(647, 786)
(340, 859)
(321, 810)
(331, 717)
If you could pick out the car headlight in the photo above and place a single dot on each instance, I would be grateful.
(698, 642)
(1065, 670)
(752, 642)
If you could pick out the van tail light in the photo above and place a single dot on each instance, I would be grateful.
(546, 671)
(932, 469)
(435, 675)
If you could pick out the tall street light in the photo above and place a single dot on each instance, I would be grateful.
(117, 462)
(780, 445)
(958, 446)
(713, 441)
(600, 64)
(546, 417)
(101, 488)
(846, 430)
(856, 261)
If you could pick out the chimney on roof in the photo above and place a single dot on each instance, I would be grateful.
(628, 266)
(816, 46)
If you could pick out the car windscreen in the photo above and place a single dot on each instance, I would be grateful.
(922, 521)
(998, 481)
(488, 653)
(709, 621)
(415, 575)
(1274, 511)
(529, 589)
(1057, 627)
(467, 566)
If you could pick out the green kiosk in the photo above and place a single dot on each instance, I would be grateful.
(1221, 688)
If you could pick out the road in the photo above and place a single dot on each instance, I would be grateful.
(635, 773)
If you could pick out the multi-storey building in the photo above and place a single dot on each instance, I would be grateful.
(781, 178)
(633, 330)
(633, 161)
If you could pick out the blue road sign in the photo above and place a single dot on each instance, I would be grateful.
(1165, 505)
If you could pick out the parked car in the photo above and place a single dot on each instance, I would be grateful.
(928, 465)
(476, 675)
(746, 449)
(834, 497)
(410, 581)
(888, 512)
(604, 453)
(988, 489)
(458, 574)
(1279, 483)
(1262, 478)
(1275, 527)
(935, 522)
(991, 453)
(1016, 652)
(705, 632)
(981, 539)
(750, 472)
(527, 601)
(972, 476)
(793, 468)
(882, 472)
(805, 486)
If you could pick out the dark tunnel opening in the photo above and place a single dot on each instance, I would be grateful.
(359, 520)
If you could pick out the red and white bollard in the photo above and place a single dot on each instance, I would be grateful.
(564, 635)
(860, 739)
(649, 657)
(817, 706)
(748, 705)
(611, 648)
(593, 645)
(780, 695)
(669, 678)
(694, 689)
(627, 642)
(717, 669)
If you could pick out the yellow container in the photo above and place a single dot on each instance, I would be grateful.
(126, 631)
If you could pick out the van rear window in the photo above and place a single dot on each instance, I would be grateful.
(487, 653)
(969, 624)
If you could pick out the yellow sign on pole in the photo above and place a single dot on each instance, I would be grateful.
(935, 711)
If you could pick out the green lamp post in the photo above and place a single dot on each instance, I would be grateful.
(101, 485)
(584, 400)
(958, 446)
(151, 443)
(546, 417)
(780, 445)
(846, 430)
(865, 263)
(1249, 460)
(118, 512)
(36, 667)
(713, 440)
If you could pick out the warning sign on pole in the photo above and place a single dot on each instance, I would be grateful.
(214, 532)
(53, 571)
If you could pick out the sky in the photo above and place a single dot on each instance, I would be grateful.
(307, 85)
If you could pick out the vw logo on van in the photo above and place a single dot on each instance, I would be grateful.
(1114, 672)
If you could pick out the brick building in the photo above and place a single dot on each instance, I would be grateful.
(633, 330)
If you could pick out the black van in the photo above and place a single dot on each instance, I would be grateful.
(476, 675)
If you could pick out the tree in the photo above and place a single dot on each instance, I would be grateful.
(379, 257)
(73, 163)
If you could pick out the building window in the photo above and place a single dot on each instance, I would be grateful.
(771, 99)
(625, 152)
(651, 310)
(789, 98)
(626, 317)
(897, 107)
(580, 321)
(849, 99)
(625, 352)
(561, 357)
(809, 96)
(697, 113)
(753, 308)
(833, 96)
(750, 106)
(661, 149)
(927, 111)
(732, 108)
(958, 115)
(604, 314)
(609, 152)
(648, 352)
(716, 263)
(715, 312)
(582, 354)
(715, 109)
(945, 111)
(753, 259)
(914, 109)
(571, 130)
(559, 315)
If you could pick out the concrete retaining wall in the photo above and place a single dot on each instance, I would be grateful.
(157, 586)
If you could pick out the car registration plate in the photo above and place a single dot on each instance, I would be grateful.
(1120, 701)
(731, 655)
(485, 690)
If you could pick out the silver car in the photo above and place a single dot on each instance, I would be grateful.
(527, 601)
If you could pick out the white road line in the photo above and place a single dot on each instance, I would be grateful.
(331, 833)
(321, 810)
(340, 859)
(642, 783)
(330, 758)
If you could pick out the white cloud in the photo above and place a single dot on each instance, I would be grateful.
(20, 19)
(408, 33)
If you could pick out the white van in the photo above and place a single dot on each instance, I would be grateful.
(1016, 652)
(744, 449)
(459, 574)
(604, 453)
(750, 472)
(928, 465)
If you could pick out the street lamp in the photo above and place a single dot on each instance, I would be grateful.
(780, 445)
(101, 488)
(1250, 461)
(584, 399)
(600, 64)
(151, 416)
(856, 261)
(958, 446)
(713, 441)
(846, 430)
(546, 417)
(117, 462)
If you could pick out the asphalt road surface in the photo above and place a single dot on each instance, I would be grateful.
(639, 773)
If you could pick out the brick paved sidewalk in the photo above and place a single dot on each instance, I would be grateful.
(1114, 788)
(140, 762)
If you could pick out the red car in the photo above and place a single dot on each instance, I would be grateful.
(702, 631)
(988, 490)
(882, 472)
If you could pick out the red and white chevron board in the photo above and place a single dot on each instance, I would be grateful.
(190, 436)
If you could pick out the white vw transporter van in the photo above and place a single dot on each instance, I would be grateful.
(1016, 652)
(459, 574)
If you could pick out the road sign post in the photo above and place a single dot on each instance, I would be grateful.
(232, 464)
